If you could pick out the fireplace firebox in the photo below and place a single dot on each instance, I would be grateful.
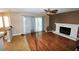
(65, 30)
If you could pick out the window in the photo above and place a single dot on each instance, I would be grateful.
(4, 21)
(1, 22)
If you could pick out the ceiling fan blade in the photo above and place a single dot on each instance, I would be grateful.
(54, 11)
(50, 12)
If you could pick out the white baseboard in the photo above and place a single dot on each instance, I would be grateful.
(16, 34)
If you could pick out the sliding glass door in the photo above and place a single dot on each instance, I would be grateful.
(33, 24)
(28, 24)
(38, 24)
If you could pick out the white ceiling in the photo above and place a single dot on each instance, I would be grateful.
(36, 10)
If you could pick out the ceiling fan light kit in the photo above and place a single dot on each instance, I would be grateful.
(50, 12)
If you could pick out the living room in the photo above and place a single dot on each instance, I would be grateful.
(58, 38)
(34, 29)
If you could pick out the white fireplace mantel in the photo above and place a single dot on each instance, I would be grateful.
(74, 30)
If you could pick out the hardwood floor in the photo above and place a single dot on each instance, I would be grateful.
(47, 41)
(18, 43)
(41, 41)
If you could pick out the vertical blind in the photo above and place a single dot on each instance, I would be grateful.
(39, 23)
(33, 24)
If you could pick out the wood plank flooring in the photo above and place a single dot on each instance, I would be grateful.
(47, 41)
(18, 43)
(41, 41)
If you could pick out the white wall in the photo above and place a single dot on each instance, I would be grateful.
(17, 21)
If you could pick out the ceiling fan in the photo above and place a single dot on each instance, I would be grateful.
(50, 12)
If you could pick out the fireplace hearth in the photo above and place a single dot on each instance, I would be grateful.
(67, 30)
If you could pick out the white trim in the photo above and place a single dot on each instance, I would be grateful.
(16, 34)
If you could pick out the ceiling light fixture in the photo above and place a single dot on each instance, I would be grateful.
(50, 12)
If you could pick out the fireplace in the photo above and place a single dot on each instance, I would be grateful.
(65, 30)
(78, 33)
